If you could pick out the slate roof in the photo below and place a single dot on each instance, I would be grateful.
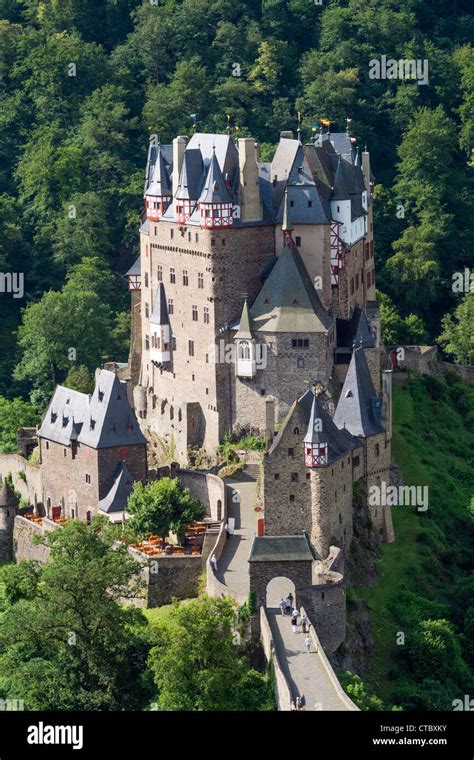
(190, 178)
(215, 190)
(291, 173)
(354, 331)
(245, 327)
(135, 268)
(160, 184)
(102, 420)
(121, 488)
(358, 408)
(167, 154)
(288, 301)
(280, 549)
(159, 315)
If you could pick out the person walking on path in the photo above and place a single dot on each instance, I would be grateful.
(298, 704)
(282, 606)
(292, 705)
(294, 621)
(303, 622)
(290, 598)
(307, 643)
(303, 701)
(287, 606)
(214, 563)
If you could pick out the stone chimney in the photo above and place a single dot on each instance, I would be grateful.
(179, 146)
(249, 190)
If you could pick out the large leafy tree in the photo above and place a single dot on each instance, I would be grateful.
(66, 641)
(161, 506)
(458, 331)
(197, 664)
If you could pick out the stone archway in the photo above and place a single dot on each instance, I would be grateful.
(278, 588)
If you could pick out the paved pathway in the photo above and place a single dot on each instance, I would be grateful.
(233, 568)
(304, 671)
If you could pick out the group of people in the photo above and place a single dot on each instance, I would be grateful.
(298, 704)
(287, 608)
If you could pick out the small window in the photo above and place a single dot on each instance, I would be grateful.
(298, 240)
(340, 519)
(123, 454)
(310, 203)
(171, 233)
(47, 444)
(160, 273)
(65, 452)
(292, 203)
(147, 343)
(194, 310)
(308, 476)
(300, 363)
(276, 476)
(296, 431)
(206, 315)
(377, 449)
(146, 279)
(88, 478)
(294, 477)
(262, 391)
(147, 310)
(356, 461)
(290, 452)
(191, 347)
(292, 497)
(170, 306)
(174, 343)
(172, 275)
(200, 280)
(185, 277)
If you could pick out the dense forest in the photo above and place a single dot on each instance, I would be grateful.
(84, 82)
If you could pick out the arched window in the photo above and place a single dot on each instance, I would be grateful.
(244, 350)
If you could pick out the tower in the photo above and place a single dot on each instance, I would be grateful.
(316, 445)
(286, 227)
(215, 201)
(8, 504)
(158, 194)
(160, 330)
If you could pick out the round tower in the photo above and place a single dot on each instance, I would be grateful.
(8, 505)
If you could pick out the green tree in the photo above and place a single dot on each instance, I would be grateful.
(66, 641)
(197, 664)
(161, 506)
(359, 692)
(80, 379)
(458, 331)
(14, 414)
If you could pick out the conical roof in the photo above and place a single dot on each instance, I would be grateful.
(122, 486)
(341, 189)
(160, 184)
(159, 315)
(215, 190)
(317, 432)
(245, 327)
(358, 408)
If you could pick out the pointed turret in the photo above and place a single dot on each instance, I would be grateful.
(245, 363)
(316, 440)
(158, 194)
(358, 408)
(215, 201)
(160, 330)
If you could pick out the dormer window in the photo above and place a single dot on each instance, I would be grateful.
(349, 394)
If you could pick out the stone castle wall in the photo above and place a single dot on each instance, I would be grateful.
(29, 486)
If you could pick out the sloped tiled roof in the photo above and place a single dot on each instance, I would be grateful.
(121, 488)
(160, 183)
(159, 315)
(135, 268)
(340, 441)
(99, 421)
(190, 178)
(354, 331)
(280, 549)
(358, 408)
(215, 190)
(288, 301)
(245, 327)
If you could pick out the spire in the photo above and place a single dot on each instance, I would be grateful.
(358, 408)
(215, 190)
(287, 226)
(160, 184)
(340, 189)
(315, 432)
(160, 310)
(245, 327)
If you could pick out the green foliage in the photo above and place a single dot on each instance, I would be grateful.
(13, 415)
(425, 583)
(197, 664)
(359, 692)
(395, 330)
(66, 643)
(458, 331)
(79, 378)
(161, 506)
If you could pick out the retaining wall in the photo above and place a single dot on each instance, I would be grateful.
(282, 688)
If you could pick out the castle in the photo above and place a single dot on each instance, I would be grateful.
(253, 308)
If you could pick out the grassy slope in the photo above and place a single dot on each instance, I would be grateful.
(431, 441)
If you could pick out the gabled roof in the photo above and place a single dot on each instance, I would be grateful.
(121, 488)
(358, 408)
(215, 190)
(245, 327)
(160, 184)
(102, 420)
(281, 549)
(288, 301)
(159, 314)
(341, 186)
